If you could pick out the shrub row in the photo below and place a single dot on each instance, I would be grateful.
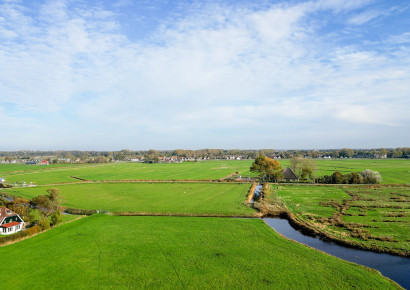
(20, 235)
(77, 211)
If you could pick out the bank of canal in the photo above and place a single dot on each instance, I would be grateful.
(394, 267)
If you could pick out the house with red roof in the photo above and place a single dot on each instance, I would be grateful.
(10, 222)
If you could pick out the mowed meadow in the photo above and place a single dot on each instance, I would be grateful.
(197, 250)
(204, 170)
(175, 253)
(145, 198)
(392, 170)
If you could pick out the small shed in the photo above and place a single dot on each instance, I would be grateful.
(289, 175)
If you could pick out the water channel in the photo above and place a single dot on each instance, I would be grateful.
(395, 267)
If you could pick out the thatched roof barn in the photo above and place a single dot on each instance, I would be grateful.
(289, 175)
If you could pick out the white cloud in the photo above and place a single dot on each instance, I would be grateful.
(215, 67)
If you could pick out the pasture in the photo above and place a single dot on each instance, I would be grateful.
(375, 216)
(175, 253)
(213, 169)
(392, 170)
(175, 198)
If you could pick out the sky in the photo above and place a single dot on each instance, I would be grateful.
(162, 74)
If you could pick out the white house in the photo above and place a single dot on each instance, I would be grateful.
(10, 222)
(2, 179)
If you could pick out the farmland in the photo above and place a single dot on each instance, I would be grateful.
(376, 217)
(133, 171)
(392, 170)
(173, 252)
(176, 198)
(194, 252)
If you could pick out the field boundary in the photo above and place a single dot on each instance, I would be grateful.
(217, 181)
(255, 215)
(130, 213)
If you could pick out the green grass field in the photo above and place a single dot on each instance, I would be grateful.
(175, 253)
(376, 216)
(132, 171)
(21, 167)
(392, 170)
(185, 198)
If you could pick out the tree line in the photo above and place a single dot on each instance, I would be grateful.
(107, 156)
(270, 170)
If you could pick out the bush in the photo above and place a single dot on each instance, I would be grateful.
(17, 236)
(44, 223)
(56, 218)
(371, 176)
(80, 211)
(33, 230)
(367, 176)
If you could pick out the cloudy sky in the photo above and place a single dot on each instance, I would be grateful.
(167, 74)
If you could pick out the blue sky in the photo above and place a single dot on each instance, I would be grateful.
(109, 75)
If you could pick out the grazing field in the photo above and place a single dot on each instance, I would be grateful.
(186, 198)
(174, 253)
(392, 170)
(377, 217)
(23, 168)
(134, 171)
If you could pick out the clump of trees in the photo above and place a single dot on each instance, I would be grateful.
(43, 211)
(269, 170)
(303, 167)
(152, 156)
(48, 206)
(365, 177)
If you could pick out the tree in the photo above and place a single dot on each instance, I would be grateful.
(295, 163)
(43, 222)
(345, 152)
(56, 217)
(371, 176)
(303, 167)
(337, 178)
(353, 178)
(268, 169)
(21, 206)
(152, 156)
(307, 173)
(47, 204)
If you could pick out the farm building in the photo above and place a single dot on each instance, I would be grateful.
(10, 222)
(289, 175)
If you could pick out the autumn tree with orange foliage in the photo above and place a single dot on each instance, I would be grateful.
(269, 170)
